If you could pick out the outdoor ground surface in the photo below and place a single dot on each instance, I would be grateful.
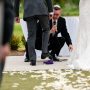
(47, 80)
(19, 75)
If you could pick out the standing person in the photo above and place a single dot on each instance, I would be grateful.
(35, 10)
(38, 43)
(7, 32)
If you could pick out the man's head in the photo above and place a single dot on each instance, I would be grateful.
(56, 11)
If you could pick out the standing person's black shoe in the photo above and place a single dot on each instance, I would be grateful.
(33, 62)
(45, 55)
(26, 60)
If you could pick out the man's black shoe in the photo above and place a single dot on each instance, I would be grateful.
(55, 59)
(45, 55)
(33, 63)
(26, 60)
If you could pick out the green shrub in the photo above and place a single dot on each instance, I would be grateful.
(15, 41)
(23, 40)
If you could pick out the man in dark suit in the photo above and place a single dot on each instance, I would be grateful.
(58, 33)
(35, 10)
(7, 32)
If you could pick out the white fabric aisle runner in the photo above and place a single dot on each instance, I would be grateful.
(72, 26)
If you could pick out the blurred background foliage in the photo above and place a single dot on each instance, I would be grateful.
(70, 7)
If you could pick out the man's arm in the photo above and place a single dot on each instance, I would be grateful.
(49, 5)
(65, 33)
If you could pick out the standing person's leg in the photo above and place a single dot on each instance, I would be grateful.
(7, 31)
(44, 21)
(2, 63)
(1, 20)
(27, 54)
(32, 27)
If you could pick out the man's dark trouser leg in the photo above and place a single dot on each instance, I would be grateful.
(44, 21)
(1, 32)
(26, 48)
(60, 45)
(2, 63)
(57, 44)
(8, 28)
(32, 27)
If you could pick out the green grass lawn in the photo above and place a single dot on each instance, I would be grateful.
(47, 80)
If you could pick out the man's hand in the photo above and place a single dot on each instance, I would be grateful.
(4, 51)
(54, 29)
(71, 47)
(17, 19)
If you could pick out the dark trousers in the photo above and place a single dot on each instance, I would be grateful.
(8, 28)
(32, 28)
(26, 48)
(2, 63)
(56, 44)
(38, 46)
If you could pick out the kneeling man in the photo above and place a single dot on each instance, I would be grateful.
(58, 33)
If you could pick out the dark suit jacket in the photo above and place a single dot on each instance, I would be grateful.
(61, 27)
(8, 21)
(34, 7)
